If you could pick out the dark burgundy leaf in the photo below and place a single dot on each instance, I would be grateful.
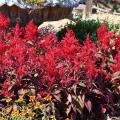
(88, 105)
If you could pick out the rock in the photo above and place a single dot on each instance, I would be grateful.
(79, 12)
(56, 25)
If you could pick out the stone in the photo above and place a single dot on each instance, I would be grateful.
(56, 25)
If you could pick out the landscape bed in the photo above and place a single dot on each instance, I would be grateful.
(42, 78)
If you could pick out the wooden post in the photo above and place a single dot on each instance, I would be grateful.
(89, 4)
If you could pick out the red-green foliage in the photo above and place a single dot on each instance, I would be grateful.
(78, 70)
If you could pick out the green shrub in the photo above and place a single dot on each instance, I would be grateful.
(83, 27)
(112, 27)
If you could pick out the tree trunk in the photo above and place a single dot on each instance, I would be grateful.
(89, 4)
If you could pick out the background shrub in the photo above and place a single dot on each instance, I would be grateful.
(83, 27)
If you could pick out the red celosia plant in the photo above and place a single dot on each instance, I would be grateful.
(27, 61)
(4, 22)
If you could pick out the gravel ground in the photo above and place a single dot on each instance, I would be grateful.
(112, 18)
